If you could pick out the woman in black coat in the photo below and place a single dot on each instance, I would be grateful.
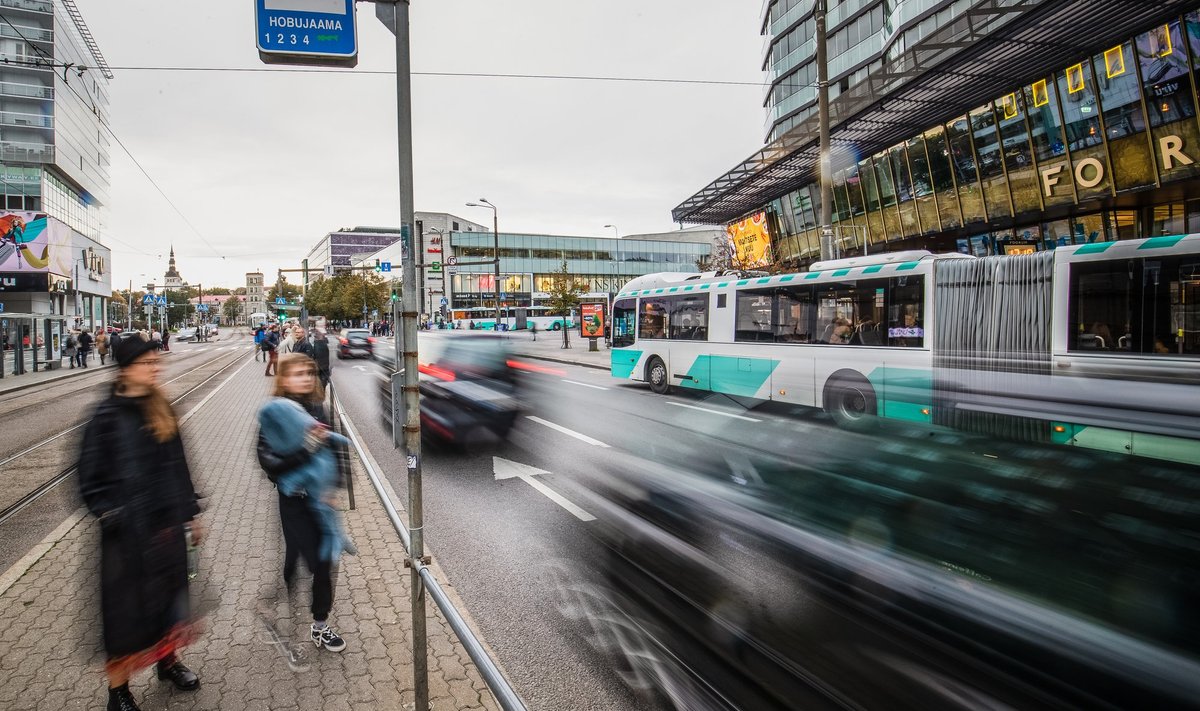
(133, 475)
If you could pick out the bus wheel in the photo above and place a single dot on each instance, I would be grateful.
(556, 326)
(656, 373)
(850, 401)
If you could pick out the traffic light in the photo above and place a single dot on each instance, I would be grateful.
(378, 268)
(395, 293)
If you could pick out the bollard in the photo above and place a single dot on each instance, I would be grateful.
(592, 345)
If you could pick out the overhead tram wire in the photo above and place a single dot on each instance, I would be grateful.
(80, 69)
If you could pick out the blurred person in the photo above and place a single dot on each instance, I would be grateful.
(288, 341)
(321, 356)
(839, 332)
(1103, 333)
(295, 449)
(156, 336)
(134, 477)
(302, 344)
(70, 348)
(270, 346)
(102, 340)
(84, 342)
(259, 334)
(166, 340)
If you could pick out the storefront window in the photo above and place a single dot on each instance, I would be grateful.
(1057, 234)
(841, 205)
(937, 150)
(1167, 220)
(991, 162)
(1018, 158)
(962, 159)
(904, 192)
(887, 197)
(922, 185)
(1124, 120)
(1085, 140)
(1123, 224)
(1169, 99)
(1049, 146)
(1088, 229)
(864, 199)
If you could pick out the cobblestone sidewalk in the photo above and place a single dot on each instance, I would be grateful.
(51, 657)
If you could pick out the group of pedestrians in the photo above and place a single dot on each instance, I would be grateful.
(271, 342)
(135, 478)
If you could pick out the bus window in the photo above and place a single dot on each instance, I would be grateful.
(850, 313)
(652, 320)
(755, 320)
(906, 306)
(624, 318)
(795, 312)
(688, 318)
(1146, 306)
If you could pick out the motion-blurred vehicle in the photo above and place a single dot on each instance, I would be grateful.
(894, 574)
(469, 392)
(354, 343)
(185, 334)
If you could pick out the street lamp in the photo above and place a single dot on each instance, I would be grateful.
(616, 232)
(483, 202)
(129, 302)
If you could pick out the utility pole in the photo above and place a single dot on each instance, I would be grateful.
(823, 120)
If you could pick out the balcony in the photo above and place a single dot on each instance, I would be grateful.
(31, 5)
(32, 34)
(33, 91)
(20, 120)
(19, 152)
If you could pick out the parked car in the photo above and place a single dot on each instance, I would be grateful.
(469, 392)
(185, 334)
(355, 343)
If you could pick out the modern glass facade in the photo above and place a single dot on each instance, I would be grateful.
(1104, 148)
(527, 263)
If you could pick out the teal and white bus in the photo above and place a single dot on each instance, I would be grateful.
(1094, 345)
(485, 318)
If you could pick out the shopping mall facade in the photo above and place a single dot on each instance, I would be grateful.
(1008, 126)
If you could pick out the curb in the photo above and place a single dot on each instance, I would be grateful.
(51, 381)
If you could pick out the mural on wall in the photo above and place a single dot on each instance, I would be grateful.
(30, 241)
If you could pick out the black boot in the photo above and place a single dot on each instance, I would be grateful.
(119, 699)
(182, 677)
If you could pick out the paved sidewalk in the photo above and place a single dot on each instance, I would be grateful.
(51, 657)
(30, 379)
(548, 346)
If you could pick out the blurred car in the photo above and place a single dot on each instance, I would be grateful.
(897, 574)
(185, 334)
(469, 392)
(355, 343)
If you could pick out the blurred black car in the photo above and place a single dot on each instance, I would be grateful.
(887, 574)
(355, 343)
(469, 393)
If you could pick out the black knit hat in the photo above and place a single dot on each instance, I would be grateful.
(132, 346)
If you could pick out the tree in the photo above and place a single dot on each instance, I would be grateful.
(231, 310)
(564, 297)
(343, 296)
(284, 289)
(217, 291)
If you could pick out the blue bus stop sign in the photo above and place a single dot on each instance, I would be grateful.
(317, 32)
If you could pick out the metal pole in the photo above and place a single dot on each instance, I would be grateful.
(406, 338)
(496, 247)
(823, 118)
(129, 305)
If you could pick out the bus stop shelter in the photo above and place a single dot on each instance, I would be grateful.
(29, 342)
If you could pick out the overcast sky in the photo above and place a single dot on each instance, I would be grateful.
(264, 165)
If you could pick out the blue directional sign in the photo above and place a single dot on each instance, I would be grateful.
(202, 308)
(162, 300)
(385, 266)
(444, 302)
(317, 32)
(280, 300)
(149, 299)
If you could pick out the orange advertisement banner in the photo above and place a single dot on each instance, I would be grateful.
(591, 321)
(751, 241)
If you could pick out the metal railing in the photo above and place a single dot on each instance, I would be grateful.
(492, 676)
(30, 34)
(26, 152)
(12, 88)
(31, 5)
(9, 118)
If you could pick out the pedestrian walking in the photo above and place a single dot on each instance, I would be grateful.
(270, 345)
(166, 339)
(288, 341)
(295, 449)
(156, 336)
(134, 477)
(321, 356)
(259, 334)
(102, 341)
(84, 347)
(534, 330)
(302, 344)
(71, 348)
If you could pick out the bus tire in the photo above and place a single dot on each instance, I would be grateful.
(556, 326)
(657, 376)
(850, 402)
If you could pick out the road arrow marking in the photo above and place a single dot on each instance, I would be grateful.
(577, 435)
(508, 469)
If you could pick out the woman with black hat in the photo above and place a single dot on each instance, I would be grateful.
(133, 475)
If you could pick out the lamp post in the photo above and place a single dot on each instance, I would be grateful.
(483, 202)
(129, 302)
(616, 232)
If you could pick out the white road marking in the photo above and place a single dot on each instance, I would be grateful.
(576, 382)
(714, 412)
(577, 435)
(507, 469)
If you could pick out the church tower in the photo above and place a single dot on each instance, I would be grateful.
(172, 278)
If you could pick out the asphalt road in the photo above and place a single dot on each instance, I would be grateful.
(33, 415)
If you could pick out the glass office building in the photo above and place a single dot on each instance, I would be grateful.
(528, 262)
(1099, 143)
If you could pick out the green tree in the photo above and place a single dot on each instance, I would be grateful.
(564, 296)
(231, 310)
(217, 291)
(284, 289)
(343, 296)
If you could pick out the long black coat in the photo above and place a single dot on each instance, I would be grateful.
(142, 492)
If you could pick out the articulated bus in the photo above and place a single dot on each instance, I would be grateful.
(485, 318)
(1094, 345)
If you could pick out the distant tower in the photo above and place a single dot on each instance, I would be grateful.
(172, 278)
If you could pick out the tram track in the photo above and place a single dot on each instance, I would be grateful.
(224, 362)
